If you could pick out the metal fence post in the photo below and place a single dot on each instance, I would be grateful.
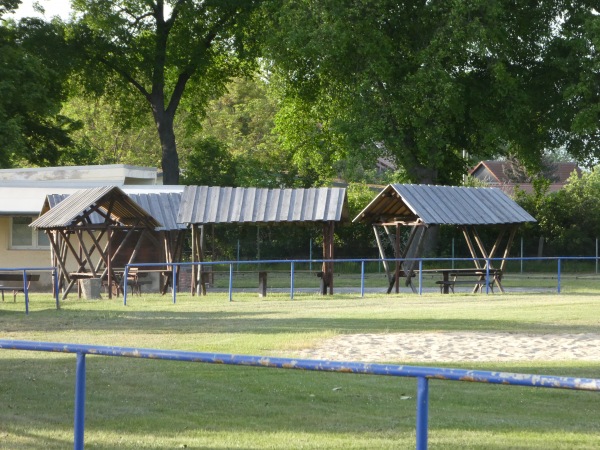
(25, 292)
(422, 412)
(420, 277)
(558, 276)
(487, 276)
(174, 282)
(362, 278)
(292, 280)
(55, 280)
(125, 275)
(230, 281)
(79, 402)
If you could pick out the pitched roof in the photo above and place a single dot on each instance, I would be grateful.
(208, 204)
(110, 199)
(437, 205)
(162, 206)
(497, 172)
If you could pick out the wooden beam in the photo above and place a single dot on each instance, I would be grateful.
(474, 255)
(386, 266)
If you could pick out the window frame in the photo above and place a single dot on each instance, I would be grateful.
(35, 244)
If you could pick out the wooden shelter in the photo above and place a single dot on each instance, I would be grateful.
(168, 240)
(421, 207)
(204, 205)
(84, 228)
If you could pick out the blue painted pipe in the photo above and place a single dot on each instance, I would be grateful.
(547, 381)
(422, 412)
(79, 426)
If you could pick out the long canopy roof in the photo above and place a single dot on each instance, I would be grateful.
(443, 205)
(212, 205)
(108, 199)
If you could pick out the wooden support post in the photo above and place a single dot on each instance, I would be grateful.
(262, 284)
(327, 269)
(471, 247)
(386, 266)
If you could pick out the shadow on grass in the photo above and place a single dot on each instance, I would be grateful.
(260, 322)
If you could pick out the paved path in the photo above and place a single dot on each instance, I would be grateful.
(457, 346)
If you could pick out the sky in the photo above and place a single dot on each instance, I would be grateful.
(53, 8)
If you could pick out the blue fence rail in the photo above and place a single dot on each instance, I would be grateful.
(422, 374)
(419, 263)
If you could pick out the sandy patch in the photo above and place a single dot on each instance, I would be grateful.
(457, 346)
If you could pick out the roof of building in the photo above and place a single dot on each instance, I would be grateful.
(111, 200)
(443, 205)
(109, 174)
(498, 172)
(208, 204)
(27, 199)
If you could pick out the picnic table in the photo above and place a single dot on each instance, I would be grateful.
(477, 277)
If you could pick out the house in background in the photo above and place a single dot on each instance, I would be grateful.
(23, 193)
(506, 176)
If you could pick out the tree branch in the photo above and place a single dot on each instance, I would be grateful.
(127, 77)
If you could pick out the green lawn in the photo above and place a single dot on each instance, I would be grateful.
(135, 403)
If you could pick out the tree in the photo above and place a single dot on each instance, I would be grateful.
(108, 138)
(243, 120)
(32, 130)
(138, 52)
(574, 56)
(210, 164)
(418, 82)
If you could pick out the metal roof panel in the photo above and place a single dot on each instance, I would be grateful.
(257, 205)
(437, 205)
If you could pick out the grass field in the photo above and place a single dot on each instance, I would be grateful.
(158, 404)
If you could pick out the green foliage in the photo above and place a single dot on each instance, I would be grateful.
(569, 220)
(416, 82)
(141, 54)
(209, 164)
(107, 138)
(356, 240)
(32, 130)
(243, 120)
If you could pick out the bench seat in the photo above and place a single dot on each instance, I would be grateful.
(16, 283)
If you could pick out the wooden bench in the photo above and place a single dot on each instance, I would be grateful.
(449, 284)
(16, 283)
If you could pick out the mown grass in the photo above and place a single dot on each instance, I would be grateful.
(159, 404)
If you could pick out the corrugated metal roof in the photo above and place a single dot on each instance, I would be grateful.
(122, 208)
(439, 205)
(163, 206)
(208, 204)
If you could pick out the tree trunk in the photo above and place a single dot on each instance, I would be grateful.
(170, 158)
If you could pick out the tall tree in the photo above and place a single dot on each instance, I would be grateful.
(152, 52)
(575, 56)
(419, 82)
(32, 130)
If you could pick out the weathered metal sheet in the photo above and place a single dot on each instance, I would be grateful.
(109, 198)
(206, 204)
(163, 206)
(438, 205)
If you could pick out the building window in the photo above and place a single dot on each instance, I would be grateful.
(23, 236)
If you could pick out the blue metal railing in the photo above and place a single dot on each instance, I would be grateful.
(485, 262)
(172, 267)
(422, 374)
